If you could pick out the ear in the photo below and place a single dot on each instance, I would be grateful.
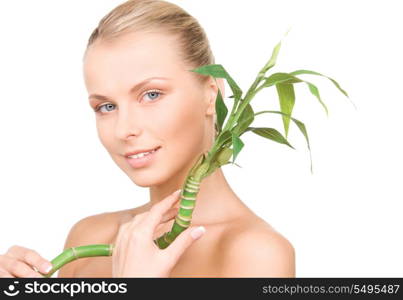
(214, 85)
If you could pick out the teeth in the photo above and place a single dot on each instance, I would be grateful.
(139, 155)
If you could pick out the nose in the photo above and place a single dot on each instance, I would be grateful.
(126, 123)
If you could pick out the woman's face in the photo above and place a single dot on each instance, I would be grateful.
(137, 111)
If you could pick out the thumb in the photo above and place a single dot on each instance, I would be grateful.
(183, 241)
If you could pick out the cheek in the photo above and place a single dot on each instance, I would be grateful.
(104, 134)
(183, 128)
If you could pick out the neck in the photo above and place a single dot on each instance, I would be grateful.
(215, 203)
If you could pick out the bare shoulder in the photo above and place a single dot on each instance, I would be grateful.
(253, 248)
(96, 229)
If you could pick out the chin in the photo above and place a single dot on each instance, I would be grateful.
(145, 178)
(153, 175)
(145, 184)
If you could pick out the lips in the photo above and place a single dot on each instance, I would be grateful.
(141, 151)
(143, 161)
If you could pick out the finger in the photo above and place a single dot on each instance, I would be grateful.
(159, 209)
(31, 257)
(169, 215)
(163, 226)
(5, 274)
(118, 254)
(183, 241)
(168, 202)
(137, 226)
(19, 269)
(139, 218)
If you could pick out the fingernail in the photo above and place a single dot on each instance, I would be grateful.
(177, 192)
(198, 232)
(46, 267)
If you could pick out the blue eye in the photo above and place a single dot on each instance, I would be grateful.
(106, 105)
(155, 92)
(153, 95)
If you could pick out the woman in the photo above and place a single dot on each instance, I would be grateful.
(136, 70)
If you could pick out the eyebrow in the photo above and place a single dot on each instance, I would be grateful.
(133, 88)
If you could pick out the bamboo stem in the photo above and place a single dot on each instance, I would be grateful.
(74, 253)
(184, 216)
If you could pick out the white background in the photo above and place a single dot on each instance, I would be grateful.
(344, 220)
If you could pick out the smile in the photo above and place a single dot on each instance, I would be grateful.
(142, 159)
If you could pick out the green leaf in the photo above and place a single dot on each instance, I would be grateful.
(270, 133)
(284, 78)
(223, 137)
(230, 162)
(218, 71)
(245, 119)
(331, 79)
(221, 110)
(273, 58)
(237, 146)
(220, 158)
(224, 155)
(314, 91)
(271, 63)
(302, 128)
(218, 130)
(286, 97)
(298, 72)
(212, 168)
(280, 77)
(199, 162)
(300, 125)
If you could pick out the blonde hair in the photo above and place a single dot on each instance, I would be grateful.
(158, 15)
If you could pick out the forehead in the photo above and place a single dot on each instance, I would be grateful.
(136, 55)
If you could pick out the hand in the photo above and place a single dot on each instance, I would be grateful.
(136, 255)
(20, 262)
